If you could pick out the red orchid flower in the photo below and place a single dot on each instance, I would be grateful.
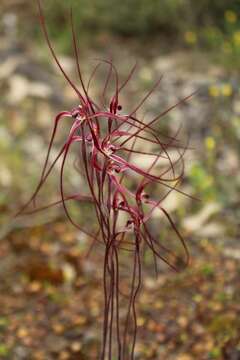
(119, 189)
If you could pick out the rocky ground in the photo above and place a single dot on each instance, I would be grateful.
(51, 297)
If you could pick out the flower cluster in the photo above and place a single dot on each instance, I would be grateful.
(109, 144)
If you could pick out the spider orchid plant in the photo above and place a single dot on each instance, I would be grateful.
(123, 193)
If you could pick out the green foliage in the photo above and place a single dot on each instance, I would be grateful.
(135, 17)
(222, 37)
(3, 322)
(167, 18)
(202, 182)
(207, 270)
(3, 350)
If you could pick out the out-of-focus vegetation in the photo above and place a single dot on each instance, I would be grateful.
(142, 17)
(212, 24)
(50, 292)
(218, 38)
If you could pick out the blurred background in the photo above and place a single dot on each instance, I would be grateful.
(51, 297)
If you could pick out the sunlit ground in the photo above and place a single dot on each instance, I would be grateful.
(51, 296)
